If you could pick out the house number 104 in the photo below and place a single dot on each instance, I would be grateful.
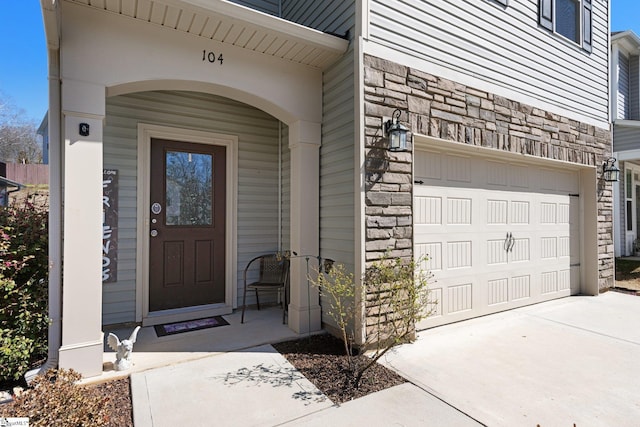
(211, 57)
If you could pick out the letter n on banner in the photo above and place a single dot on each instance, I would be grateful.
(109, 225)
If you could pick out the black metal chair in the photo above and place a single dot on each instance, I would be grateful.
(274, 277)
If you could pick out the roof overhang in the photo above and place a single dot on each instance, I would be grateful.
(628, 39)
(6, 182)
(227, 22)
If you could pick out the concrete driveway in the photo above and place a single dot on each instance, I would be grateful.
(560, 363)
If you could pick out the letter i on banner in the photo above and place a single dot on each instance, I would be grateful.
(109, 225)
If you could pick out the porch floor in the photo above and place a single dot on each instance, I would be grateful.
(150, 351)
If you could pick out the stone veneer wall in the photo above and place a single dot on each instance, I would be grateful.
(445, 109)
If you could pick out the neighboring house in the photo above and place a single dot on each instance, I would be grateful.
(277, 108)
(625, 113)
(43, 131)
(7, 186)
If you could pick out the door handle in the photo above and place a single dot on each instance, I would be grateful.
(507, 242)
(154, 233)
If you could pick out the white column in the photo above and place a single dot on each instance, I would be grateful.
(304, 143)
(82, 339)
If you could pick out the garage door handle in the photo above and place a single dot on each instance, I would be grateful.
(507, 242)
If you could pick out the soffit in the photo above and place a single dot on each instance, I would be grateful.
(236, 25)
(628, 40)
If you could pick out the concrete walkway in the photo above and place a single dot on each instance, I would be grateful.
(569, 361)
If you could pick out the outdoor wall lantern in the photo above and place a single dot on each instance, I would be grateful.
(396, 132)
(610, 171)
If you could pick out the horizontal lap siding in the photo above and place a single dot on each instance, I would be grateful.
(337, 198)
(626, 138)
(634, 87)
(330, 16)
(502, 46)
(337, 195)
(272, 7)
(257, 200)
(623, 87)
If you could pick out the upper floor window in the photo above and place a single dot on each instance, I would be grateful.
(569, 18)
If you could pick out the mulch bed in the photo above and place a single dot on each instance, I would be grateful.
(322, 360)
(119, 409)
(117, 398)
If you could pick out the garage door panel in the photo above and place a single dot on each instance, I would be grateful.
(458, 254)
(459, 210)
(429, 254)
(498, 291)
(496, 251)
(460, 297)
(497, 235)
(520, 287)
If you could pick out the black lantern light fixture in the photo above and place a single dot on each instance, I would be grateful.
(396, 132)
(610, 171)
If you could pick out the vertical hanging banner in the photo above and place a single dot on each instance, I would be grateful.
(109, 225)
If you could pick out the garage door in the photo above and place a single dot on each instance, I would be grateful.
(496, 235)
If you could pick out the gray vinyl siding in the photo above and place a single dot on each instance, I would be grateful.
(337, 175)
(285, 177)
(272, 7)
(622, 209)
(329, 16)
(623, 87)
(626, 138)
(634, 89)
(258, 175)
(502, 46)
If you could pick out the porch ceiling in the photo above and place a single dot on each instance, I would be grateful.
(237, 25)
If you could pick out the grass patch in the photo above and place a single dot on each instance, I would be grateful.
(627, 274)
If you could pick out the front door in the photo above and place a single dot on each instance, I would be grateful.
(187, 227)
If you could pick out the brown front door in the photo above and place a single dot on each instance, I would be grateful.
(187, 227)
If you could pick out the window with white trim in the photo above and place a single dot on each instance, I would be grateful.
(571, 19)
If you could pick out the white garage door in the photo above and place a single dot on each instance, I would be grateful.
(497, 235)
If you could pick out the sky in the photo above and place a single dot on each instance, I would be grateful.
(23, 70)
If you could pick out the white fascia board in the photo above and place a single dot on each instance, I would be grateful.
(268, 22)
(623, 156)
(51, 23)
(627, 123)
(628, 36)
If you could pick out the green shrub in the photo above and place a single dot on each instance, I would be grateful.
(396, 297)
(23, 289)
(55, 399)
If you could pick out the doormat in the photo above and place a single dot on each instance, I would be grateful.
(189, 325)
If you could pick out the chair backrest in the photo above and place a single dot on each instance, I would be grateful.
(273, 269)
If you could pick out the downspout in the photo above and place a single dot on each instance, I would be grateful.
(280, 248)
(50, 15)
